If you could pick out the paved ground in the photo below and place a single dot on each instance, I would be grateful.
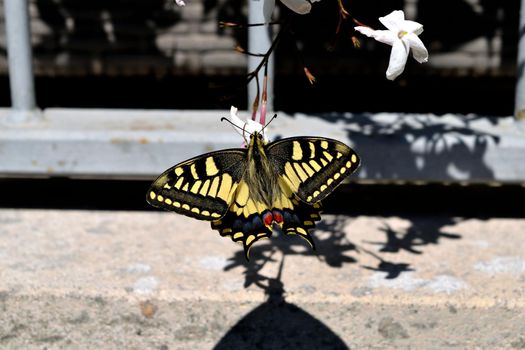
(137, 280)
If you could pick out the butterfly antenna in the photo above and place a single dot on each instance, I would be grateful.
(229, 121)
(237, 126)
(264, 127)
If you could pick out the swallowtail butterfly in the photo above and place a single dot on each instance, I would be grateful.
(245, 191)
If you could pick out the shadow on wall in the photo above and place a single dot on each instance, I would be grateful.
(336, 249)
(277, 324)
(423, 147)
(289, 325)
(439, 148)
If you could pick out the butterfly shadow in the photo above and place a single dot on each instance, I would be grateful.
(276, 323)
(293, 327)
(332, 248)
(289, 325)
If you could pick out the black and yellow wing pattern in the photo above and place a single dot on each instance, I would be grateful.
(248, 221)
(202, 187)
(245, 193)
(312, 166)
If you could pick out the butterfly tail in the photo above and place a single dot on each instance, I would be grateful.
(301, 220)
(245, 231)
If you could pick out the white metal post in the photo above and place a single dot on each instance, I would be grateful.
(20, 61)
(520, 84)
(259, 41)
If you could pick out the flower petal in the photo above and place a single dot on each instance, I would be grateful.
(268, 7)
(393, 21)
(384, 36)
(301, 7)
(236, 120)
(419, 51)
(180, 2)
(398, 59)
(412, 27)
(253, 126)
(245, 129)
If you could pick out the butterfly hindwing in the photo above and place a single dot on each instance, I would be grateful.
(246, 221)
(297, 217)
(202, 187)
(312, 166)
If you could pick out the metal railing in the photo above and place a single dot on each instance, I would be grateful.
(519, 110)
(20, 60)
(259, 41)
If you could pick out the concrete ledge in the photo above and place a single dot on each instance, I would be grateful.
(141, 144)
(136, 280)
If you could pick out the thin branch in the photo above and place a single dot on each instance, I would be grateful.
(237, 25)
(266, 56)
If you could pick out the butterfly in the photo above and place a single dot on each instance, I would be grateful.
(244, 192)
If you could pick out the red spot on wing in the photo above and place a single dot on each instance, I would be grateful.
(268, 219)
(277, 216)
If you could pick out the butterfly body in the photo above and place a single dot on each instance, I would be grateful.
(260, 177)
(244, 192)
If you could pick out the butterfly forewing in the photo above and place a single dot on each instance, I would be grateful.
(202, 187)
(312, 166)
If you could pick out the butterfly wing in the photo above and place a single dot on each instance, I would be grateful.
(202, 187)
(312, 166)
(246, 221)
(298, 218)
(211, 187)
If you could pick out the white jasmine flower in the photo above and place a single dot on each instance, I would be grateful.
(403, 36)
(301, 7)
(245, 129)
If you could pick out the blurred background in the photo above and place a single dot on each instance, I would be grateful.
(154, 54)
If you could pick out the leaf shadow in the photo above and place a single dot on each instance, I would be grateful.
(422, 146)
(418, 234)
(332, 248)
(335, 249)
(293, 327)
